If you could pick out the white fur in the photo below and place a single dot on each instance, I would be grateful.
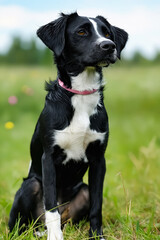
(75, 138)
(53, 223)
(99, 37)
(30, 163)
(89, 79)
(40, 234)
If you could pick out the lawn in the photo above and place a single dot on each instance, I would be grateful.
(131, 205)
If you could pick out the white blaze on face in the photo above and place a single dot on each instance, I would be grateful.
(100, 38)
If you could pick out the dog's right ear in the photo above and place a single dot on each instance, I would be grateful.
(53, 34)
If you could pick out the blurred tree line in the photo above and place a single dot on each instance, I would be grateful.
(28, 52)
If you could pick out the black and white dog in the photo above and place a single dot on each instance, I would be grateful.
(72, 131)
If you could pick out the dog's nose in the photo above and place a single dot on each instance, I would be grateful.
(107, 46)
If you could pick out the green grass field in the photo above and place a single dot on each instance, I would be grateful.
(131, 205)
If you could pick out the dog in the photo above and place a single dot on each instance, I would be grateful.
(72, 131)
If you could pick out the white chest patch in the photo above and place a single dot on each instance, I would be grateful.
(75, 138)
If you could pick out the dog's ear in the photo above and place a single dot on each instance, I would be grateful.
(53, 34)
(120, 37)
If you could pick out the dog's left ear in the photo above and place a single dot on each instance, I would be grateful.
(53, 34)
(120, 37)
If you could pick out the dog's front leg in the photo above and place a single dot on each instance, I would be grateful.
(96, 177)
(52, 216)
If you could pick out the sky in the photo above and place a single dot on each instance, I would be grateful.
(140, 18)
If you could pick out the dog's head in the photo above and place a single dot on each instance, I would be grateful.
(83, 41)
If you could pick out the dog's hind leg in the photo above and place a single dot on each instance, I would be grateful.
(78, 208)
(27, 204)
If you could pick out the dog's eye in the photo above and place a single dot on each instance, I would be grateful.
(107, 35)
(105, 32)
(82, 33)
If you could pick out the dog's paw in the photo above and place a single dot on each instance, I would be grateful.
(55, 235)
(97, 234)
(53, 223)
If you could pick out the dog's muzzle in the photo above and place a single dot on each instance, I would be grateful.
(109, 53)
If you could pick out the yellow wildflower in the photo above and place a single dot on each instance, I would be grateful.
(9, 125)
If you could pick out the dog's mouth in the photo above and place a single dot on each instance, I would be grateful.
(99, 60)
(110, 59)
(105, 63)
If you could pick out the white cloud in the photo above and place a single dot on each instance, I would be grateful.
(16, 20)
(15, 17)
(140, 22)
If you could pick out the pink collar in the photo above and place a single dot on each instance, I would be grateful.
(86, 92)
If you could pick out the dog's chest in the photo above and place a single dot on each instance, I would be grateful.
(75, 138)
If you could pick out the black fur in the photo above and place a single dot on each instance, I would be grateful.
(49, 179)
(119, 36)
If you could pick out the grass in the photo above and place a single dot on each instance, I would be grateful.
(131, 206)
